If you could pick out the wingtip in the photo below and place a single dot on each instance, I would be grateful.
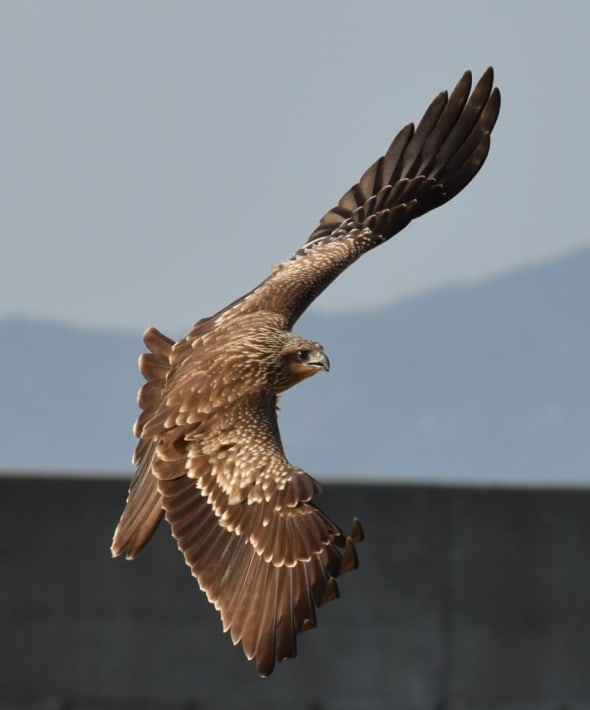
(357, 534)
(350, 560)
(331, 592)
(489, 73)
(308, 625)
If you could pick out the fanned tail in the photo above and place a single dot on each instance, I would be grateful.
(143, 509)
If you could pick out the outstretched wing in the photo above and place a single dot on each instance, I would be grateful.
(422, 169)
(265, 555)
(243, 517)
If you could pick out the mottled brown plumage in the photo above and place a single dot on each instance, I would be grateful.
(209, 455)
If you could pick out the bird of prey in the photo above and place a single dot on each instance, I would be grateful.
(210, 458)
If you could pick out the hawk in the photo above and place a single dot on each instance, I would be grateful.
(210, 458)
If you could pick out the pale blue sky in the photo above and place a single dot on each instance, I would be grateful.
(159, 157)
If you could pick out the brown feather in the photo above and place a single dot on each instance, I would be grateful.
(143, 509)
(210, 455)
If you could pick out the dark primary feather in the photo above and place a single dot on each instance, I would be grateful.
(210, 457)
(429, 164)
(422, 169)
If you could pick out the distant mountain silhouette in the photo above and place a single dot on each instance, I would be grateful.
(486, 382)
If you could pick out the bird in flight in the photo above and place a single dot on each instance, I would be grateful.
(209, 457)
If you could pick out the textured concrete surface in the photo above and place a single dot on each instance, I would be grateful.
(465, 599)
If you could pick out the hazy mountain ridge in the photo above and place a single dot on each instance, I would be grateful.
(481, 381)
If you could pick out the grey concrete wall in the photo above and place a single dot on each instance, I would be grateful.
(465, 600)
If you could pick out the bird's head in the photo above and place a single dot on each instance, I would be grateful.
(300, 359)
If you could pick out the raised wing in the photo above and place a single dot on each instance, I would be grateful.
(422, 169)
(427, 166)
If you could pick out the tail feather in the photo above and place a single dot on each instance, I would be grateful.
(143, 509)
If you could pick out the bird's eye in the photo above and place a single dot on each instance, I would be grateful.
(303, 355)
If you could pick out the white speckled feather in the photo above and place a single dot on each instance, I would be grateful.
(210, 456)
